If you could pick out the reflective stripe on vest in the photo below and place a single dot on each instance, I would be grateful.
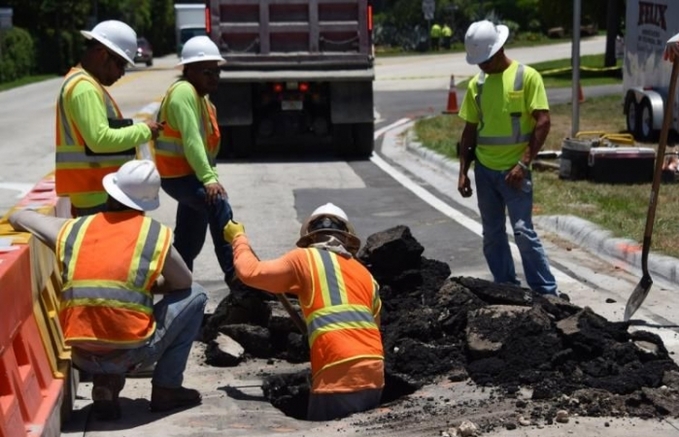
(77, 172)
(334, 310)
(169, 149)
(516, 136)
(119, 295)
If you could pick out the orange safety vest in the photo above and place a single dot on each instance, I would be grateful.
(77, 172)
(169, 148)
(107, 302)
(340, 312)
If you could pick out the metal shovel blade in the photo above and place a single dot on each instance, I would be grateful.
(638, 296)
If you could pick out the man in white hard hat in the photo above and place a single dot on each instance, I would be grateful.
(186, 153)
(340, 302)
(506, 116)
(111, 264)
(92, 137)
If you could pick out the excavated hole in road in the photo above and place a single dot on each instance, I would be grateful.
(437, 328)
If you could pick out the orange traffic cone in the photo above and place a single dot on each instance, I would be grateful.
(452, 98)
(581, 95)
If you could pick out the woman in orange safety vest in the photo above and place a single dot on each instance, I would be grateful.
(341, 305)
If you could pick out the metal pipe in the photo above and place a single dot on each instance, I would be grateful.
(575, 63)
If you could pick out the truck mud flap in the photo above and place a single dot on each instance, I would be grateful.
(234, 104)
(351, 102)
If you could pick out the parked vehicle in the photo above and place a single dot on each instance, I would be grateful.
(189, 22)
(649, 24)
(144, 52)
(297, 73)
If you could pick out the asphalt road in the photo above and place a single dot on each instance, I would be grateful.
(272, 197)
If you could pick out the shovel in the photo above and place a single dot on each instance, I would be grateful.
(644, 286)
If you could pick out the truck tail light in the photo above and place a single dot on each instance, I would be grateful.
(370, 18)
(208, 22)
(278, 87)
(303, 87)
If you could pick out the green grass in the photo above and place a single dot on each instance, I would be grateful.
(620, 208)
(25, 81)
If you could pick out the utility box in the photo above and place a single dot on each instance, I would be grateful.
(621, 165)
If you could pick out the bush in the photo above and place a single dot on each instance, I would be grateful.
(17, 54)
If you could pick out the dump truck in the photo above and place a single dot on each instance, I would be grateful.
(646, 76)
(298, 72)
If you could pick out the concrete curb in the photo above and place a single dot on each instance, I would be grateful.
(575, 229)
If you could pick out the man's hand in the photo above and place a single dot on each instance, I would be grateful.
(155, 128)
(515, 177)
(232, 230)
(464, 186)
(215, 192)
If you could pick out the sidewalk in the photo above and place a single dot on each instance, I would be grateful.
(575, 229)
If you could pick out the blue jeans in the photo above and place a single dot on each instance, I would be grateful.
(494, 198)
(179, 316)
(194, 214)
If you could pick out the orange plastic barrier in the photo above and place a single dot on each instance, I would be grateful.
(30, 395)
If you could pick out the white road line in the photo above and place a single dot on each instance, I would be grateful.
(442, 206)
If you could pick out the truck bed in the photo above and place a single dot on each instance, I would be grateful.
(292, 34)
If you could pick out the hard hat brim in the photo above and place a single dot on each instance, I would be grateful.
(193, 60)
(353, 243)
(114, 191)
(89, 35)
(503, 34)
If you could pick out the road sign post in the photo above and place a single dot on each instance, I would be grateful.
(428, 9)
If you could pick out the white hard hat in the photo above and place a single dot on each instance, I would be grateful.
(483, 39)
(199, 49)
(329, 211)
(136, 184)
(117, 36)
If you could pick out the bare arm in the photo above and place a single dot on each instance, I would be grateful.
(46, 228)
(542, 125)
(467, 144)
(175, 275)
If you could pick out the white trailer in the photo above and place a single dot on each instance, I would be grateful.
(189, 21)
(646, 76)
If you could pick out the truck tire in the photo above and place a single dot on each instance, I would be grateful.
(236, 142)
(632, 116)
(646, 131)
(364, 140)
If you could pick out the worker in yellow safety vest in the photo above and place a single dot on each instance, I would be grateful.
(186, 153)
(435, 36)
(341, 304)
(446, 36)
(107, 312)
(506, 116)
(92, 138)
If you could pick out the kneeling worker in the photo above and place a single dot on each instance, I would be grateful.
(111, 264)
(341, 305)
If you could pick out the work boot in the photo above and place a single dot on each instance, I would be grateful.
(105, 392)
(165, 399)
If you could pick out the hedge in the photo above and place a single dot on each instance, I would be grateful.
(17, 54)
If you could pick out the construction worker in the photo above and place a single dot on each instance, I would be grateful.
(107, 313)
(91, 137)
(506, 116)
(435, 36)
(186, 151)
(340, 303)
(446, 36)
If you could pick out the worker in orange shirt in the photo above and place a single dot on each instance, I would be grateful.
(341, 306)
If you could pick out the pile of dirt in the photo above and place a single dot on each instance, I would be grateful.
(501, 337)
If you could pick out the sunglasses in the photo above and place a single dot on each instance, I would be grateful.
(211, 72)
(120, 63)
(327, 223)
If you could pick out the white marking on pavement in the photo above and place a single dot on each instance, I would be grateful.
(442, 206)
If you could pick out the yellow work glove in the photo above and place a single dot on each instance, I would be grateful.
(232, 230)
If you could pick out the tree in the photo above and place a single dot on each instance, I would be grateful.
(613, 19)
